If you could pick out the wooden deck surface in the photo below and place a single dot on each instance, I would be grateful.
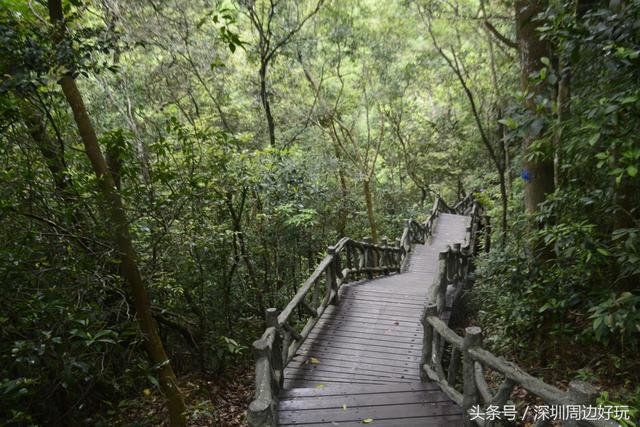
(361, 361)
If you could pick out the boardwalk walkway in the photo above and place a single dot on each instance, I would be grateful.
(361, 360)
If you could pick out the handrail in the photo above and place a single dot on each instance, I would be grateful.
(348, 260)
(464, 381)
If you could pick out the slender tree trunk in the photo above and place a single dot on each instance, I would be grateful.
(563, 100)
(503, 169)
(538, 170)
(264, 97)
(53, 154)
(366, 186)
(504, 201)
(48, 148)
(115, 210)
(507, 161)
(343, 212)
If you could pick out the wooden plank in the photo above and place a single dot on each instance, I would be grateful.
(348, 367)
(342, 389)
(374, 363)
(399, 294)
(375, 412)
(408, 314)
(372, 293)
(326, 381)
(368, 323)
(367, 338)
(366, 346)
(373, 328)
(439, 421)
(345, 377)
(379, 318)
(364, 367)
(377, 305)
(308, 370)
(326, 370)
(372, 301)
(360, 400)
(356, 316)
(366, 335)
(364, 356)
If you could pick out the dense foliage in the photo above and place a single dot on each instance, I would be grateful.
(245, 137)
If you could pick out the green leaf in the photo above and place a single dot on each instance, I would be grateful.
(603, 251)
(509, 122)
(632, 170)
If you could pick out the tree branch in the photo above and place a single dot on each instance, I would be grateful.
(500, 37)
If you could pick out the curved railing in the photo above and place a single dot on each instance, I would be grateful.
(347, 261)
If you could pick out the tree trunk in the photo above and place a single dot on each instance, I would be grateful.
(48, 148)
(343, 211)
(505, 202)
(563, 100)
(366, 185)
(116, 213)
(538, 171)
(264, 97)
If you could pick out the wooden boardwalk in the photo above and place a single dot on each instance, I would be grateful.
(361, 361)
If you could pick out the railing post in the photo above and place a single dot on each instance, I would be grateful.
(441, 284)
(398, 255)
(277, 355)
(472, 338)
(368, 256)
(263, 410)
(457, 262)
(407, 225)
(347, 247)
(332, 273)
(427, 339)
(384, 257)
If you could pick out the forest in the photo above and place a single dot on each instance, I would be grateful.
(171, 169)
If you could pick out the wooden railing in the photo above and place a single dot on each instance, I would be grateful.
(349, 260)
(464, 379)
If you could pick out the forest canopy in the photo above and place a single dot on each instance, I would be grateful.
(171, 169)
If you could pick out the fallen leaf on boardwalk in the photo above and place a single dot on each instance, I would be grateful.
(319, 385)
(344, 407)
(367, 421)
(313, 360)
(396, 323)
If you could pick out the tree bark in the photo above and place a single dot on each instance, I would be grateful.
(538, 170)
(264, 97)
(120, 226)
(366, 186)
(48, 148)
(343, 211)
(563, 101)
